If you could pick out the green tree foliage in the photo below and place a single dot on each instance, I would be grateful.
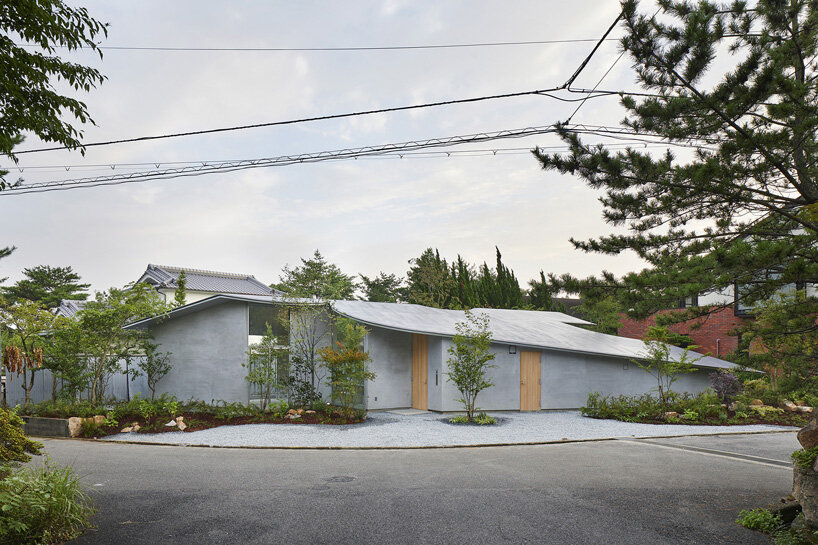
(153, 364)
(26, 326)
(268, 367)
(95, 344)
(309, 327)
(433, 282)
(5, 252)
(384, 288)
(48, 285)
(15, 447)
(783, 341)
(180, 295)
(429, 281)
(744, 206)
(29, 101)
(316, 277)
(347, 365)
(659, 363)
(470, 358)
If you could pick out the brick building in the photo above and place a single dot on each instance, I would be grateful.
(715, 333)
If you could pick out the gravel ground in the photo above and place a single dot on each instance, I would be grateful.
(384, 429)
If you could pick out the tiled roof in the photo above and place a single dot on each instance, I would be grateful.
(162, 276)
(69, 308)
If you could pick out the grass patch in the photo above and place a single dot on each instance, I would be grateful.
(481, 419)
(42, 506)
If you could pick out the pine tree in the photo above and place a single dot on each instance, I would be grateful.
(743, 208)
(48, 286)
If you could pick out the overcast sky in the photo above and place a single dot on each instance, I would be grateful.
(366, 215)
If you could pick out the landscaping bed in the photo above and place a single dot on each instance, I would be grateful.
(704, 409)
(166, 414)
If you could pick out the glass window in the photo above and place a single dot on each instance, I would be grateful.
(261, 315)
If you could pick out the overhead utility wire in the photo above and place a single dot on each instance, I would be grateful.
(543, 92)
(396, 149)
(230, 166)
(403, 155)
(360, 48)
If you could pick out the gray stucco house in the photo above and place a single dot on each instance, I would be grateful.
(544, 360)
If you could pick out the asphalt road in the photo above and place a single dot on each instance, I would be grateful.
(658, 491)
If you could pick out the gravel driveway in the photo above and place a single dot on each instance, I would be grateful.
(385, 429)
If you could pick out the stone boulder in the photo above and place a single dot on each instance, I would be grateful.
(74, 426)
(805, 409)
(756, 403)
(805, 491)
(671, 414)
(180, 423)
(136, 427)
(126, 429)
(789, 406)
(808, 435)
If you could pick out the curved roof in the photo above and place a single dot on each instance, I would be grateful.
(536, 329)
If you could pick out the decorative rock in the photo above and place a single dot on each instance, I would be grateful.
(300, 411)
(136, 428)
(808, 435)
(74, 426)
(733, 407)
(756, 403)
(293, 416)
(309, 412)
(789, 406)
(99, 420)
(180, 421)
(806, 409)
(671, 414)
(805, 490)
(127, 429)
(171, 424)
(292, 411)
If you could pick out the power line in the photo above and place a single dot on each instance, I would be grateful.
(231, 166)
(329, 49)
(300, 120)
(542, 92)
(403, 155)
(401, 150)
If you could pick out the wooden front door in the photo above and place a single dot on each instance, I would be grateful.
(529, 381)
(420, 372)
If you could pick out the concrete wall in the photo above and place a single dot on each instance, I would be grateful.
(207, 349)
(568, 378)
(391, 353)
(119, 386)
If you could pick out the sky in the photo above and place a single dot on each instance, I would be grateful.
(366, 215)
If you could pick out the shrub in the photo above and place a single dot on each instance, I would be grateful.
(42, 506)
(726, 384)
(484, 420)
(14, 445)
(767, 412)
(805, 458)
(459, 419)
(759, 519)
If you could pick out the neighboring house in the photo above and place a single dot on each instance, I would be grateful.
(69, 308)
(543, 360)
(202, 284)
(714, 334)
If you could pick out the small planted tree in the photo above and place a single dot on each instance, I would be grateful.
(154, 365)
(267, 367)
(658, 362)
(26, 328)
(310, 327)
(470, 359)
(347, 364)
